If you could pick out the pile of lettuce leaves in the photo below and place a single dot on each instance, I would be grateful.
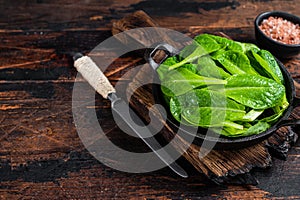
(234, 88)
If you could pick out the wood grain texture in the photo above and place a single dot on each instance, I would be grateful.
(42, 156)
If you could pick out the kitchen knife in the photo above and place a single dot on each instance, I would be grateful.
(95, 77)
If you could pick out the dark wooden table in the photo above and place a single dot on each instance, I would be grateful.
(41, 155)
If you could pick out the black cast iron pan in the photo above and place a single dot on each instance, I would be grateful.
(222, 142)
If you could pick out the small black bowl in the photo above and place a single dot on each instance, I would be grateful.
(278, 49)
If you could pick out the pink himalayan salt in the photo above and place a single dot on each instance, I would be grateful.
(281, 30)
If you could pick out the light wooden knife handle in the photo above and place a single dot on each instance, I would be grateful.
(94, 76)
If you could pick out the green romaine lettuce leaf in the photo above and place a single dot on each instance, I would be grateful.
(254, 91)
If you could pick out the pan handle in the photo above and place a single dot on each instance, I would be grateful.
(288, 122)
(168, 49)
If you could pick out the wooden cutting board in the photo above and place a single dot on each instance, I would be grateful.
(230, 166)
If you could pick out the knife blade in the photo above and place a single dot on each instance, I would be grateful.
(95, 77)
